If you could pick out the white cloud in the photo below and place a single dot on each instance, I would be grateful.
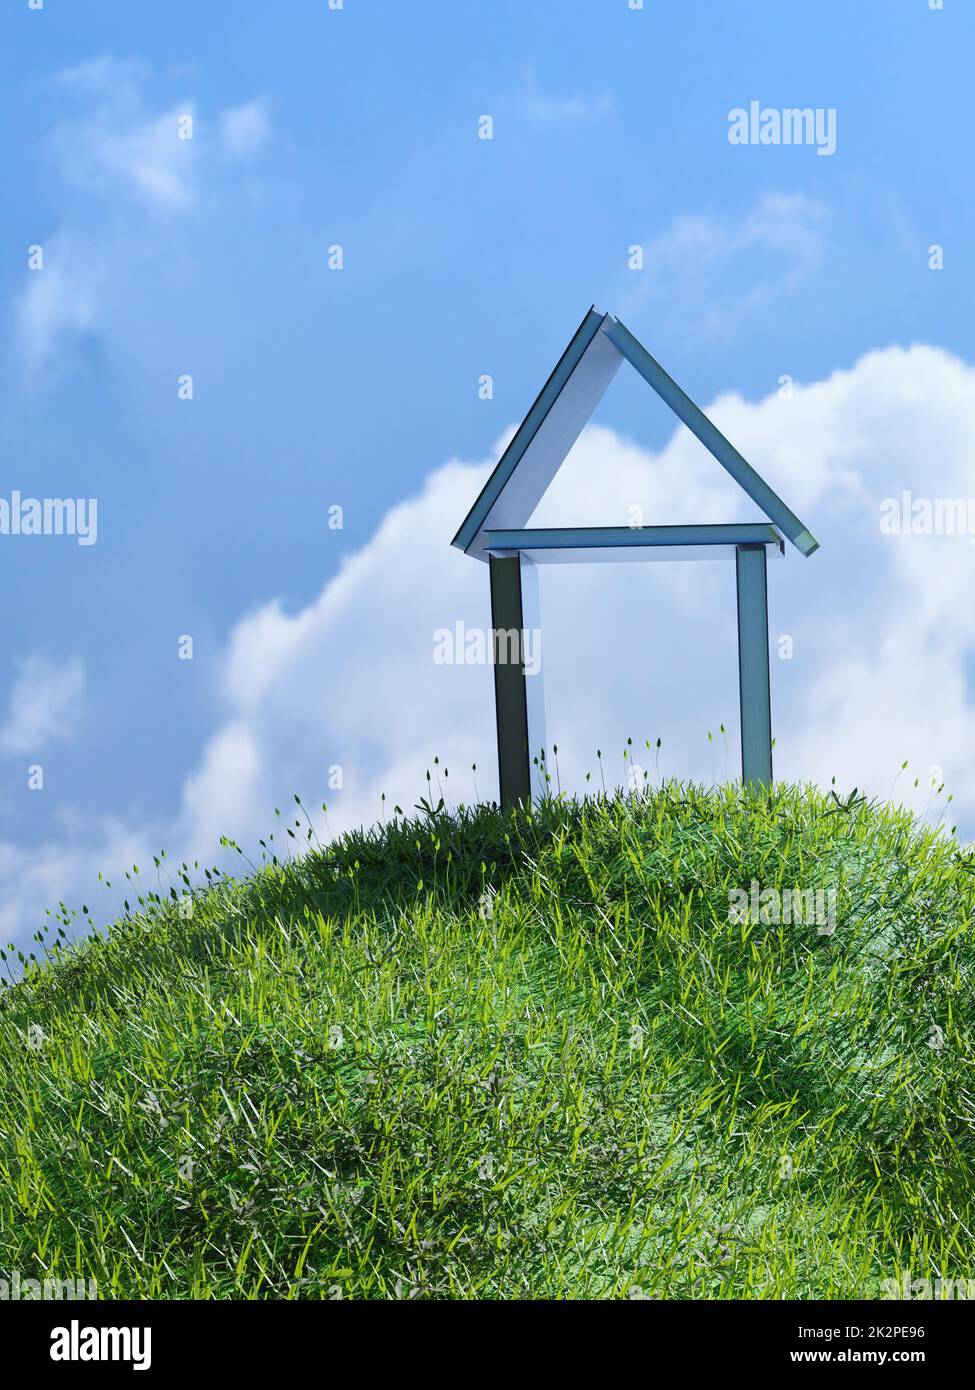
(66, 869)
(878, 629)
(57, 304)
(244, 129)
(884, 637)
(116, 145)
(552, 109)
(106, 76)
(152, 158)
(128, 169)
(45, 704)
(689, 267)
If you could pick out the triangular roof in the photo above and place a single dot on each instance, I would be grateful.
(561, 411)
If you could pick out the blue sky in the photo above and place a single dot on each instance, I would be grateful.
(314, 387)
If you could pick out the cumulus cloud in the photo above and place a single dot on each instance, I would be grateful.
(346, 691)
(341, 700)
(876, 626)
(44, 705)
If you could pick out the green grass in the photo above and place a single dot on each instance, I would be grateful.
(477, 1055)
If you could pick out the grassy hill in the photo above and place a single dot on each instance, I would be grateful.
(486, 1055)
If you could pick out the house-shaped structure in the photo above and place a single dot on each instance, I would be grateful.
(495, 530)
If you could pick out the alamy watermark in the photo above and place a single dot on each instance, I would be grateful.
(473, 646)
(784, 907)
(50, 516)
(77, 1343)
(793, 125)
(17, 1289)
(906, 1286)
(908, 515)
